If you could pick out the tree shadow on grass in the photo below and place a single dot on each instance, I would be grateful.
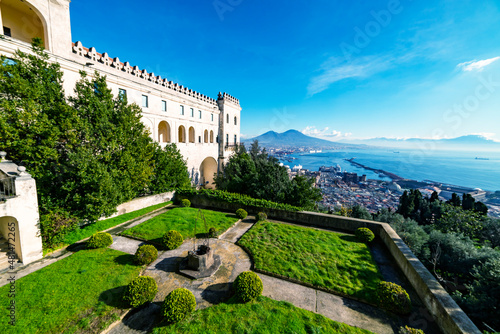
(76, 247)
(114, 297)
(125, 259)
(143, 318)
(349, 238)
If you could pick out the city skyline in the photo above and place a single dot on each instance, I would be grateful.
(332, 70)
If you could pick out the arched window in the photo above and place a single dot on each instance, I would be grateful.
(182, 134)
(235, 121)
(205, 136)
(22, 22)
(211, 136)
(191, 135)
(163, 132)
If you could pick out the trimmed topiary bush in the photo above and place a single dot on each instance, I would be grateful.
(241, 214)
(172, 239)
(99, 240)
(248, 286)
(393, 297)
(145, 254)
(409, 330)
(185, 203)
(141, 290)
(212, 233)
(261, 216)
(365, 234)
(178, 304)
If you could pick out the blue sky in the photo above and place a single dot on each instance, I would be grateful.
(332, 69)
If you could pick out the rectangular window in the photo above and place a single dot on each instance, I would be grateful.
(212, 117)
(199, 114)
(235, 139)
(7, 32)
(182, 110)
(192, 112)
(145, 101)
(122, 92)
(163, 105)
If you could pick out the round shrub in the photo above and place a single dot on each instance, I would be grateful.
(261, 216)
(145, 254)
(409, 330)
(141, 290)
(178, 304)
(100, 240)
(185, 203)
(365, 234)
(172, 239)
(212, 233)
(393, 297)
(248, 286)
(241, 214)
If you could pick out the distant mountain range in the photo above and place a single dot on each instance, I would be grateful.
(469, 142)
(294, 138)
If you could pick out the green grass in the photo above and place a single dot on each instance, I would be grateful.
(260, 317)
(101, 225)
(330, 260)
(183, 221)
(81, 293)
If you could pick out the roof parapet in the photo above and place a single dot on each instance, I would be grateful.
(227, 97)
(105, 59)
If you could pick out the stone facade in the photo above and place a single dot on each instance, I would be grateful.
(203, 128)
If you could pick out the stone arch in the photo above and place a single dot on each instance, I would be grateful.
(211, 136)
(25, 21)
(182, 134)
(205, 136)
(164, 132)
(191, 135)
(208, 169)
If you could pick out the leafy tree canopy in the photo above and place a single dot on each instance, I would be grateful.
(256, 174)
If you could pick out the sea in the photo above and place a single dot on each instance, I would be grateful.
(467, 169)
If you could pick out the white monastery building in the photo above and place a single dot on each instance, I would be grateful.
(206, 130)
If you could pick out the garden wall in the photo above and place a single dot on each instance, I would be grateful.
(447, 314)
(141, 203)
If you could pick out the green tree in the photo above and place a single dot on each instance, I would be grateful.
(455, 200)
(259, 175)
(170, 170)
(457, 220)
(113, 162)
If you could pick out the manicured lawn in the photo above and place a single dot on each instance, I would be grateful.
(82, 292)
(101, 225)
(325, 259)
(183, 221)
(262, 316)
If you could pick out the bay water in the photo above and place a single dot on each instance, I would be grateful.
(449, 167)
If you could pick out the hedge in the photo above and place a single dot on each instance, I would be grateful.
(224, 196)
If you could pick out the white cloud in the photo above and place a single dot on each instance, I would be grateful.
(325, 133)
(335, 69)
(476, 65)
